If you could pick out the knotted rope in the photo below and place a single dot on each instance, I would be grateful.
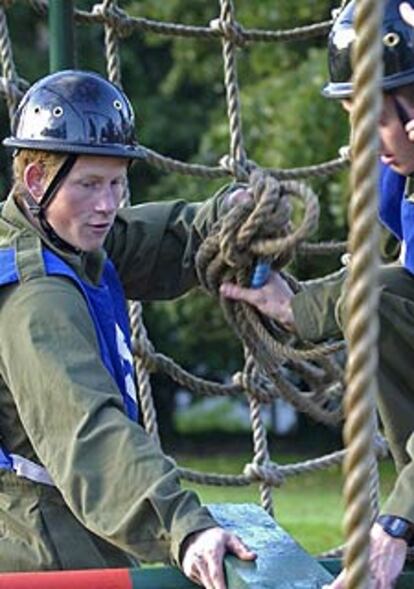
(362, 294)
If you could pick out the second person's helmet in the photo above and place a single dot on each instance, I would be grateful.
(398, 49)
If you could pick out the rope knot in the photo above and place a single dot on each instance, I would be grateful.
(259, 228)
(238, 169)
(259, 472)
(231, 31)
(115, 17)
(268, 219)
(345, 152)
(143, 349)
(147, 361)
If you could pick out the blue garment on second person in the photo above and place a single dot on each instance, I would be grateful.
(391, 193)
(396, 211)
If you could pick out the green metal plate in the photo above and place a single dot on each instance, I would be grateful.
(281, 562)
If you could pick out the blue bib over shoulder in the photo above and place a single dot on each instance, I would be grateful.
(391, 194)
(396, 211)
(107, 308)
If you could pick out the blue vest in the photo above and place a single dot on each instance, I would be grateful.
(397, 212)
(107, 308)
(391, 193)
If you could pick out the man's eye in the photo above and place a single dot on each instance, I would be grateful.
(85, 184)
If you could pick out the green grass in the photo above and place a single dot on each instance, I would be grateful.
(308, 506)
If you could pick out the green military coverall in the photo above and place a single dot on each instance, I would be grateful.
(318, 310)
(117, 497)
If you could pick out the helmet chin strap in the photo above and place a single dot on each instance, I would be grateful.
(401, 111)
(39, 209)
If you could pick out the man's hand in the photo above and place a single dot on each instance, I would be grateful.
(273, 299)
(386, 560)
(204, 554)
(409, 128)
(239, 196)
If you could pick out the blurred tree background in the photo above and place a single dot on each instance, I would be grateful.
(176, 86)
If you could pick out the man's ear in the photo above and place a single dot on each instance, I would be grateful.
(33, 180)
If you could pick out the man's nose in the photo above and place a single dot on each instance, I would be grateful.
(106, 201)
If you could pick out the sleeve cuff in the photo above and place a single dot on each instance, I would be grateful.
(191, 523)
(401, 501)
(315, 309)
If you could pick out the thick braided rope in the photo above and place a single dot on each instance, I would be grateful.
(237, 152)
(261, 389)
(138, 330)
(362, 328)
(278, 385)
(228, 165)
(10, 78)
(128, 24)
(374, 480)
(147, 406)
(231, 250)
(260, 446)
(257, 387)
(227, 25)
(238, 240)
(113, 62)
(272, 473)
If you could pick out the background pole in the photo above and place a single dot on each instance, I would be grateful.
(61, 35)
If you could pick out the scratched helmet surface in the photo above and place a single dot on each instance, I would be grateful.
(75, 112)
(398, 48)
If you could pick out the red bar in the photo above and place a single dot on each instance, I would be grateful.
(90, 579)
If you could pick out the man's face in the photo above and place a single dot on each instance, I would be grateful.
(396, 150)
(84, 208)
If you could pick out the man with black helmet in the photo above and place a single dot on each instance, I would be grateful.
(315, 314)
(81, 484)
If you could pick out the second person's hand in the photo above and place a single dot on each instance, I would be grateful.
(273, 299)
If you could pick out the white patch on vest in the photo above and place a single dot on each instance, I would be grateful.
(126, 357)
(403, 252)
(130, 387)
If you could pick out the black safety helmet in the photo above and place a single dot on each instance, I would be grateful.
(75, 112)
(398, 50)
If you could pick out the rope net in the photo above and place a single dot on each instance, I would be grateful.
(260, 229)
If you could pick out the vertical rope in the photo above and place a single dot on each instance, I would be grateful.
(374, 477)
(147, 407)
(362, 325)
(227, 24)
(238, 159)
(149, 416)
(113, 61)
(261, 453)
(260, 446)
(8, 66)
